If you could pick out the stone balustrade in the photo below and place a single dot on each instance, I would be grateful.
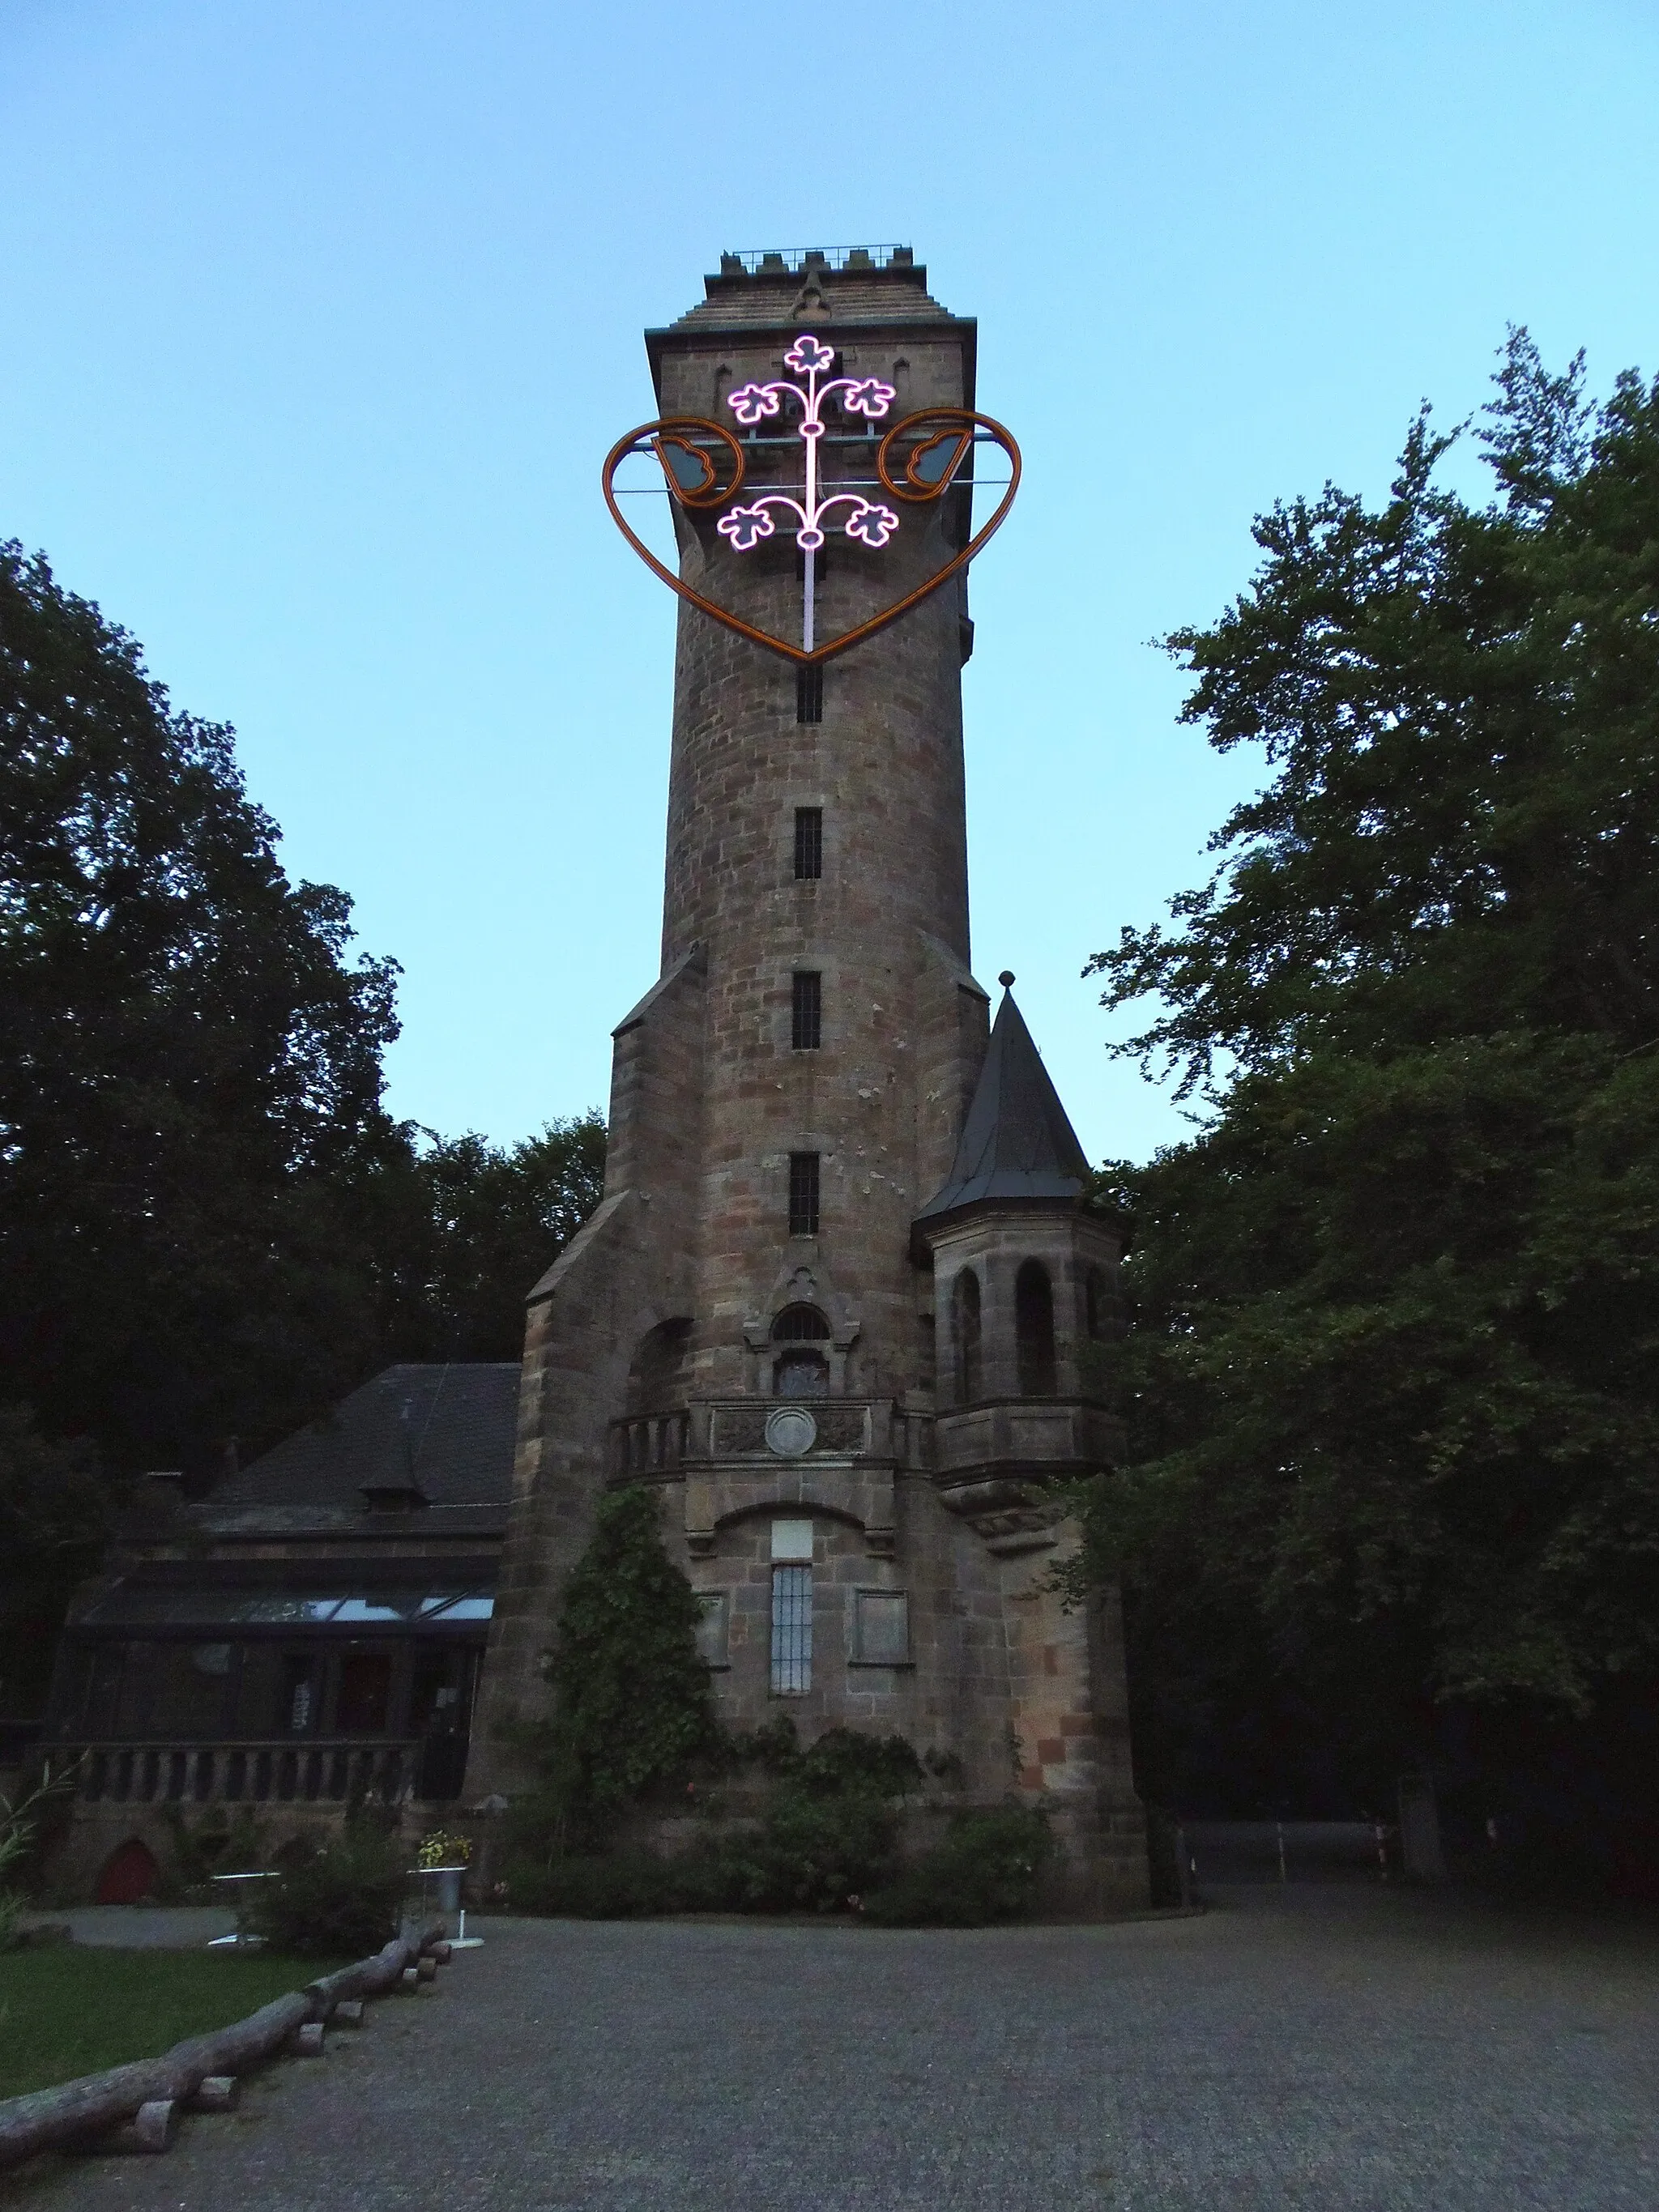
(323, 1771)
(721, 1431)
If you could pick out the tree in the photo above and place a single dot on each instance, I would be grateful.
(475, 1225)
(1395, 1395)
(210, 1227)
(191, 1074)
(632, 1704)
(54, 1513)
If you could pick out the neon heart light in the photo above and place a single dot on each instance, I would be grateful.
(690, 450)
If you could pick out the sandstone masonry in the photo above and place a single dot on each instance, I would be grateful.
(854, 1421)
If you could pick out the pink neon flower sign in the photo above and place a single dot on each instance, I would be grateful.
(807, 357)
(753, 402)
(874, 524)
(868, 396)
(866, 521)
(746, 526)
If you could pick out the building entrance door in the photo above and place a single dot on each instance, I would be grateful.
(440, 1712)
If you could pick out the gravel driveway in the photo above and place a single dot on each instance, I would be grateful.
(1328, 2049)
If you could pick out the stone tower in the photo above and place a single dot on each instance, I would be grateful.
(838, 1303)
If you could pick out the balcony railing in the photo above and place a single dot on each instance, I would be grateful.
(723, 1430)
(1036, 1436)
(319, 1772)
(651, 1440)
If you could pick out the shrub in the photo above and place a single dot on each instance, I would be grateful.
(986, 1868)
(19, 1827)
(843, 1763)
(632, 1705)
(622, 1886)
(830, 1829)
(221, 1842)
(827, 1834)
(343, 1899)
(813, 1851)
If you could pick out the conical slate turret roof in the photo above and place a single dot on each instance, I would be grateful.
(1016, 1143)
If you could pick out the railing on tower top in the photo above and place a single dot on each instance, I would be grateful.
(790, 260)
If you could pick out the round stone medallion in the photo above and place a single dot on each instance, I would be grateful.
(790, 1432)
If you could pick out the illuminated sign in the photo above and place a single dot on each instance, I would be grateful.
(705, 468)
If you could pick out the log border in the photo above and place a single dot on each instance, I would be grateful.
(104, 2103)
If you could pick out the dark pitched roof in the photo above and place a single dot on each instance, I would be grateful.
(1016, 1143)
(449, 1431)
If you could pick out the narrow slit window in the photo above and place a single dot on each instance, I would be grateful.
(792, 1631)
(806, 1010)
(809, 843)
(803, 1193)
(964, 1321)
(1034, 1330)
(809, 693)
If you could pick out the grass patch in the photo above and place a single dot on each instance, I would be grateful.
(66, 2011)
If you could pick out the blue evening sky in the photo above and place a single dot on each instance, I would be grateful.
(320, 315)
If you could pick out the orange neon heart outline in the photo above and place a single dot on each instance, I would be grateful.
(966, 420)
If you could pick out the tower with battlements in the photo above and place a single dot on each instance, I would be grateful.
(840, 1304)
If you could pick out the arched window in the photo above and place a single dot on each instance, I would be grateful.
(800, 1325)
(964, 1335)
(801, 1370)
(1034, 1330)
(1097, 1300)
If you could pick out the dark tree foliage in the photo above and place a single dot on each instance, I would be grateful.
(470, 1227)
(209, 1228)
(1395, 1389)
(53, 1515)
(191, 1072)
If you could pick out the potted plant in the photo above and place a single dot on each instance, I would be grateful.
(446, 1858)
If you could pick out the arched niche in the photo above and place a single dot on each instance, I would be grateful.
(800, 1366)
(130, 1873)
(656, 1375)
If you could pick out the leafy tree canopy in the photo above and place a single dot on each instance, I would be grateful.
(53, 1516)
(210, 1227)
(191, 1069)
(1393, 1389)
(474, 1226)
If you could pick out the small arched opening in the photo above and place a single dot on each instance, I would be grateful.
(800, 1370)
(1034, 1330)
(964, 1336)
(130, 1873)
(656, 1376)
(1098, 1306)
